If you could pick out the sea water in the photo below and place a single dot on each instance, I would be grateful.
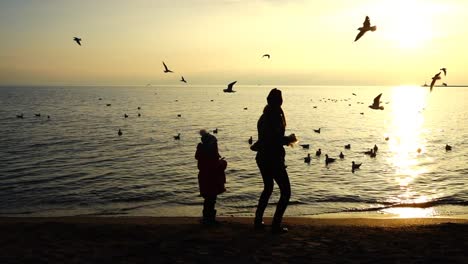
(74, 163)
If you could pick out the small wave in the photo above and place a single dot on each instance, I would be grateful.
(437, 202)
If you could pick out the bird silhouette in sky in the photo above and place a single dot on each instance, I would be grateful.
(77, 40)
(229, 88)
(444, 70)
(376, 105)
(434, 79)
(166, 70)
(183, 80)
(366, 27)
(266, 55)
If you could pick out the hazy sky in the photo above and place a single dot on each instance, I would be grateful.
(217, 41)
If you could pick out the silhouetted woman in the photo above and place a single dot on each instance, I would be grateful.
(270, 159)
(211, 178)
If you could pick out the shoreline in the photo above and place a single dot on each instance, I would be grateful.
(301, 221)
(183, 239)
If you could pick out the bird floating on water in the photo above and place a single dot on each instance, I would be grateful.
(177, 137)
(37, 115)
(305, 146)
(307, 159)
(375, 148)
(348, 146)
(317, 130)
(448, 147)
(20, 116)
(355, 166)
(376, 105)
(77, 40)
(365, 27)
(215, 131)
(108, 104)
(341, 155)
(120, 132)
(166, 70)
(329, 160)
(125, 115)
(434, 80)
(229, 88)
(318, 152)
(250, 141)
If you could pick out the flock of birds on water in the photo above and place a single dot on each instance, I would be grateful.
(376, 105)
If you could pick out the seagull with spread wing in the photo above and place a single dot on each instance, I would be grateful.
(183, 80)
(229, 88)
(77, 40)
(366, 27)
(166, 70)
(444, 70)
(376, 105)
(434, 79)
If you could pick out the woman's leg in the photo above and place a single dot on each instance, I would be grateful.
(209, 212)
(282, 179)
(266, 193)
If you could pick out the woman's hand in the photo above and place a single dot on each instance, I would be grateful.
(292, 139)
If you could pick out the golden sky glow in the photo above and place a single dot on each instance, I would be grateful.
(310, 42)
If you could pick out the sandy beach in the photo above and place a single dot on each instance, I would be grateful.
(184, 240)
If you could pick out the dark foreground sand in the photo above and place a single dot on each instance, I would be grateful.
(183, 240)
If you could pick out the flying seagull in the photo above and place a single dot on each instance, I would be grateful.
(77, 40)
(376, 105)
(434, 79)
(444, 70)
(229, 88)
(266, 55)
(444, 84)
(183, 80)
(166, 70)
(366, 27)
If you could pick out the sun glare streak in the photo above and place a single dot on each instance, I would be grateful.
(406, 139)
(411, 212)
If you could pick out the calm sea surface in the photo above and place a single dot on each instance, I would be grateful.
(75, 163)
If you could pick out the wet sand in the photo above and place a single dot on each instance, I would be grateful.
(184, 240)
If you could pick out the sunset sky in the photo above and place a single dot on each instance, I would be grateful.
(217, 41)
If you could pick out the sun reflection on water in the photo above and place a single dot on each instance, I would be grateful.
(406, 137)
(405, 212)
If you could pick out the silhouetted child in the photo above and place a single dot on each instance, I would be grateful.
(211, 178)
